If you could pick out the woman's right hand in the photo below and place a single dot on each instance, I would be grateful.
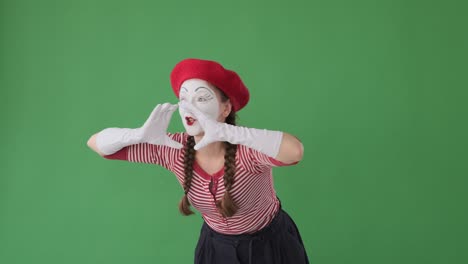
(154, 130)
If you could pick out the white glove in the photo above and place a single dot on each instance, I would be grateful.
(153, 131)
(265, 141)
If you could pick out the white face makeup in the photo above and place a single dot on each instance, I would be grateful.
(201, 95)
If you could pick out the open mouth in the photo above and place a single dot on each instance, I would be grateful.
(190, 120)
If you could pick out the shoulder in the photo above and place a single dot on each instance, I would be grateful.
(180, 137)
(244, 155)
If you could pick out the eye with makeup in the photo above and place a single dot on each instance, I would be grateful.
(204, 98)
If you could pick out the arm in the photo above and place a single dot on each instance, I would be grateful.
(276, 144)
(92, 145)
(291, 149)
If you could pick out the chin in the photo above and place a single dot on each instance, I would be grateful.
(193, 135)
(194, 132)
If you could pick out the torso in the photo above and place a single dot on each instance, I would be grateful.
(253, 190)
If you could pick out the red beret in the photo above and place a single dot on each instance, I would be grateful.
(226, 80)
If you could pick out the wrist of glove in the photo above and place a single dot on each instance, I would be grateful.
(262, 140)
(111, 140)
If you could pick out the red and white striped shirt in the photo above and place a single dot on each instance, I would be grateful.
(252, 191)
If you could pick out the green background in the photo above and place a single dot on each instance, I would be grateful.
(376, 90)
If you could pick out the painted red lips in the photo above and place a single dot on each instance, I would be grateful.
(190, 120)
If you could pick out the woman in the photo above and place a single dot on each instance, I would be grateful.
(224, 169)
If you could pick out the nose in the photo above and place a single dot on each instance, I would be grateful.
(187, 100)
(186, 107)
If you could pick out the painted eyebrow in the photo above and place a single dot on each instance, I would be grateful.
(205, 88)
(186, 90)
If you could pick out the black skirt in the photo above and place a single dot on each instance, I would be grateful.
(277, 243)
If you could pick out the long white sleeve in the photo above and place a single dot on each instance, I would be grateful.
(111, 140)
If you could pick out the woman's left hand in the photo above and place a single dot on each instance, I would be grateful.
(214, 130)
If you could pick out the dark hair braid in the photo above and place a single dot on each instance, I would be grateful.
(184, 204)
(226, 205)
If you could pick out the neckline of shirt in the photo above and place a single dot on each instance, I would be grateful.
(205, 174)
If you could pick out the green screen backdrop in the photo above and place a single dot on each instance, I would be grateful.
(376, 91)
